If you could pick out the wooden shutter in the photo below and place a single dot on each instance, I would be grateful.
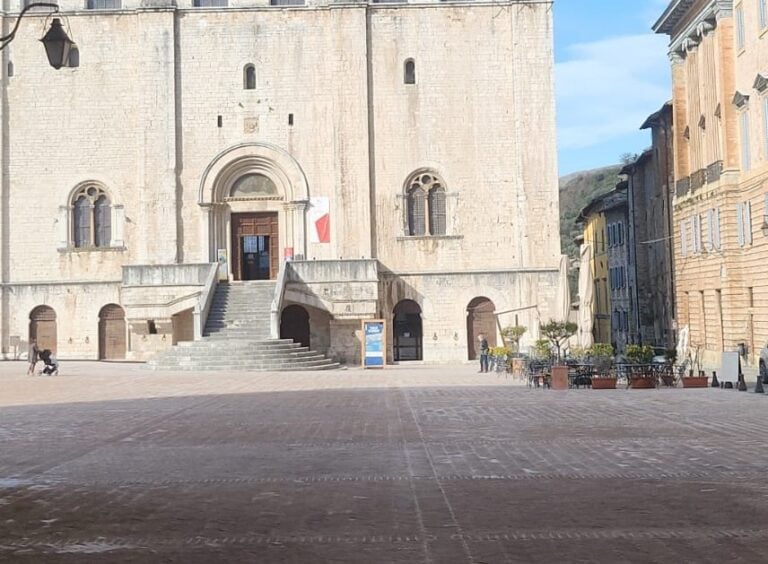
(437, 211)
(740, 224)
(696, 220)
(716, 229)
(683, 241)
(103, 220)
(82, 222)
(416, 212)
(746, 159)
(747, 216)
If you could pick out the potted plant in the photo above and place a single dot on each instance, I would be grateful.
(513, 334)
(692, 381)
(558, 332)
(640, 376)
(499, 358)
(602, 359)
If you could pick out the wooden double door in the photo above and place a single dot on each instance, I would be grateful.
(255, 246)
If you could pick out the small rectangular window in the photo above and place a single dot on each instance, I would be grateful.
(286, 2)
(209, 3)
(740, 34)
(763, 8)
(103, 4)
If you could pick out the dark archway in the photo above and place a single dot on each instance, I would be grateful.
(480, 319)
(42, 327)
(112, 342)
(407, 331)
(294, 324)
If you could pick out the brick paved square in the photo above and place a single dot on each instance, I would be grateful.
(113, 463)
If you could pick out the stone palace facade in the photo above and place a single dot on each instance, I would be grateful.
(375, 160)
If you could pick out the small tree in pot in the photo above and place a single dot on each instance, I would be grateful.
(558, 332)
(512, 334)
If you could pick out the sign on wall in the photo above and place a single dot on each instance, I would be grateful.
(223, 267)
(374, 343)
(319, 215)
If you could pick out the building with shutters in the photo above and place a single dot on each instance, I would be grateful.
(719, 59)
(374, 160)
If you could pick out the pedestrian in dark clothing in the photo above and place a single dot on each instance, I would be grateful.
(484, 350)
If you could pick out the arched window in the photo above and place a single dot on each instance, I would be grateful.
(416, 215)
(91, 218)
(249, 77)
(426, 199)
(410, 72)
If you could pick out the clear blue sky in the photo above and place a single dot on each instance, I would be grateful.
(612, 71)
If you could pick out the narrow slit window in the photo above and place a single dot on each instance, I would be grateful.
(249, 77)
(410, 72)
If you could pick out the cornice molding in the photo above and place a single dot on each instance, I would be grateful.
(740, 100)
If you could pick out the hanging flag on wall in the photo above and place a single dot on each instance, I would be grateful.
(319, 220)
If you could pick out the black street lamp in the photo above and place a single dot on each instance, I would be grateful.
(56, 41)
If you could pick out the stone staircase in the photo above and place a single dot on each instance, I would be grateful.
(237, 337)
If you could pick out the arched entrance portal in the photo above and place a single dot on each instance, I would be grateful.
(407, 331)
(254, 199)
(294, 324)
(111, 333)
(42, 327)
(480, 319)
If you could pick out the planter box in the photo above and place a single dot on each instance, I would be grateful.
(694, 381)
(603, 383)
(642, 383)
(559, 378)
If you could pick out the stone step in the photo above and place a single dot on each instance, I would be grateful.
(332, 366)
(246, 357)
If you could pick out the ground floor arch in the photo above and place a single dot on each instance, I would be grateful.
(481, 318)
(294, 324)
(407, 331)
(42, 327)
(112, 333)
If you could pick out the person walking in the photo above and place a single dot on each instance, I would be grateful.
(484, 350)
(33, 355)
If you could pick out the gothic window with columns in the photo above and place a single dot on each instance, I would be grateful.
(426, 205)
(91, 218)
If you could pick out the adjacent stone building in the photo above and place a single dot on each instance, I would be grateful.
(649, 194)
(719, 55)
(402, 155)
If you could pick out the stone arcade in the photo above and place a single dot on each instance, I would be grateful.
(401, 155)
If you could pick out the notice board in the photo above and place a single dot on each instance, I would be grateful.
(374, 343)
(729, 371)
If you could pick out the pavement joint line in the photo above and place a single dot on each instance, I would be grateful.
(714, 477)
(58, 544)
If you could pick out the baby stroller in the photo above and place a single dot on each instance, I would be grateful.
(51, 364)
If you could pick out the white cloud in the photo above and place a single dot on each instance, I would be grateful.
(606, 88)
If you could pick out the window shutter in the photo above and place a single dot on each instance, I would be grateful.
(746, 158)
(683, 248)
(437, 211)
(740, 36)
(765, 124)
(416, 219)
(710, 230)
(82, 222)
(740, 224)
(716, 220)
(696, 233)
(103, 226)
(747, 214)
(763, 13)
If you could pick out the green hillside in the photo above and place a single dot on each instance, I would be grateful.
(576, 191)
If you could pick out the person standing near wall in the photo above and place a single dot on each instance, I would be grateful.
(33, 356)
(483, 342)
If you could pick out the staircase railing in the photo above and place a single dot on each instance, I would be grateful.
(203, 306)
(277, 301)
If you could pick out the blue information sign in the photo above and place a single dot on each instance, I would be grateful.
(374, 343)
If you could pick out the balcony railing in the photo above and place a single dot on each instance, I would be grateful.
(698, 179)
(683, 186)
(714, 171)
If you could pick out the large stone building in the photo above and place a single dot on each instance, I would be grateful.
(402, 154)
(719, 54)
